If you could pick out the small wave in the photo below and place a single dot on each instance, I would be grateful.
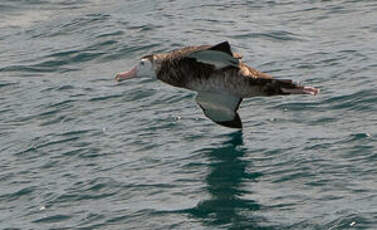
(104, 98)
(363, 100)
(7, 84)
(53, 219)
(20, 193)
(273, 35)
(110, 34)
(38, 68)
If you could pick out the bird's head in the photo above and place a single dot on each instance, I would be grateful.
(144, 68)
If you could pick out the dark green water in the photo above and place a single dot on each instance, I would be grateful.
(80, 151)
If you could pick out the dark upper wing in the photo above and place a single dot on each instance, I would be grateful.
(195, 62)
(223, 47)
(219, 56)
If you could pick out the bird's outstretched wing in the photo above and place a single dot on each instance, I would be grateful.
(220, 108)
(219, 56)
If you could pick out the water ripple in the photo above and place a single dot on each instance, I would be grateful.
(81, 151)
(273, 35)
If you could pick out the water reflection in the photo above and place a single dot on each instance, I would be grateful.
(225, 181)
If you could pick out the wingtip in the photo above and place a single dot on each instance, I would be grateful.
(230, 124)
(224, 47)
(236, 123)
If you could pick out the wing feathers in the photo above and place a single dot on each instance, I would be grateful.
(220, 108)
(219, 55)
(223, 47)
(217, 58)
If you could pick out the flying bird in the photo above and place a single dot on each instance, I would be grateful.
(219, 77)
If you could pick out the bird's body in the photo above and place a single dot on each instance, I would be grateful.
(221, 79)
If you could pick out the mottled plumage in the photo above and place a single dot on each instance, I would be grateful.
(219, 76)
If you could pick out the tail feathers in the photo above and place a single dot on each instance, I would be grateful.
(302, 90)
(285, 87)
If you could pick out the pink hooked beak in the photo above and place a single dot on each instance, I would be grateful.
(126, 75)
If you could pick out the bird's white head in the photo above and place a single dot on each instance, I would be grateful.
(144, 68)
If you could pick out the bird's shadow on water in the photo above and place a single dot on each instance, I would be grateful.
(226, 185)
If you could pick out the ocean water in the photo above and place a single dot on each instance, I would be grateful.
(81, 151)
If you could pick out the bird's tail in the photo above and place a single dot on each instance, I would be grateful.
(285, 87)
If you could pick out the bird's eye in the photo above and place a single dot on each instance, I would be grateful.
(142, 62)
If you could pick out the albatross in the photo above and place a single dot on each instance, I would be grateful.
(219, 77)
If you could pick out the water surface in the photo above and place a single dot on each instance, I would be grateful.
(80, 151)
